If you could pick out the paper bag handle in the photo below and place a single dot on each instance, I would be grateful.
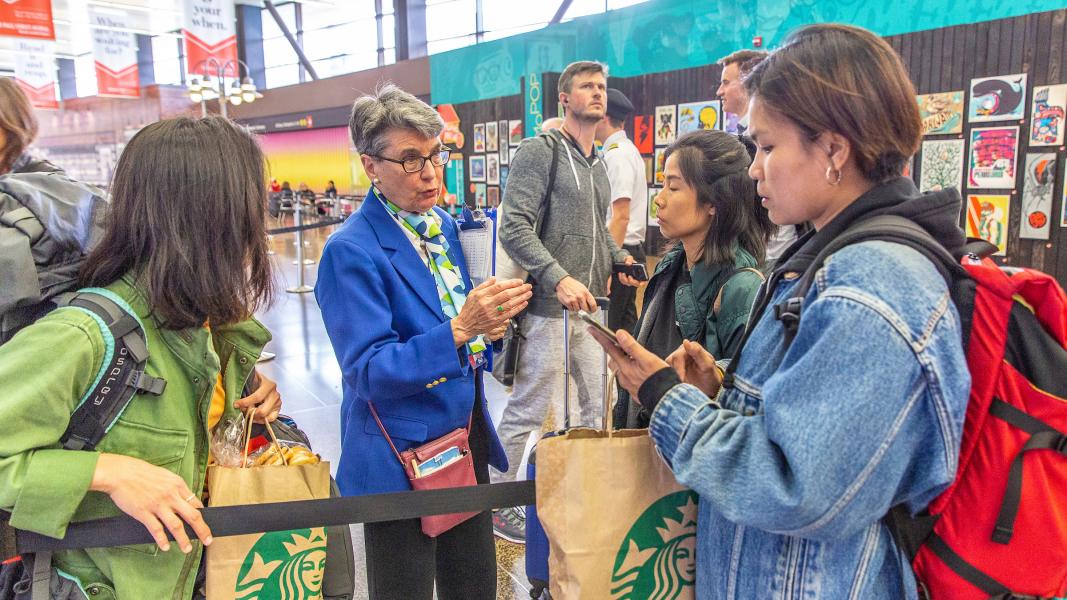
(248, 438)
(609, 394)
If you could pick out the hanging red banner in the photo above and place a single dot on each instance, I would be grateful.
(27, 18)
(115, 54)
(210, 33)
(35, 72)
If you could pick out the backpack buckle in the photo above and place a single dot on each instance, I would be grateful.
(788, 313)
(142, 382)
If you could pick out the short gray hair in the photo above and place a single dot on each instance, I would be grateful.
(387, 108)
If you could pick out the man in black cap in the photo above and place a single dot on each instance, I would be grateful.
(629, 202)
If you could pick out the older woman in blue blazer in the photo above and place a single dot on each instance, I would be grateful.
(412, 337)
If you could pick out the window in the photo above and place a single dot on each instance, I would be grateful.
(165, 60)
(85, 75)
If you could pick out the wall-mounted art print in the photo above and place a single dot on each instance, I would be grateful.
(650, 169)
(1047, 115)
(992, 158)
(492, 196)
(661, 161)
(504, 171)
(479, 195)
(477, 166)
(987, 218)
(491, 137)
(941, 113)
(492, 169)
(666, 124)
(502, 130)
(1000, 98)
(514, 132)
(1039, 177)
(643, 133)
(479, 137)
(694, 116)
(505, 155)
(941, 165)
(653, 218)
(730, 122)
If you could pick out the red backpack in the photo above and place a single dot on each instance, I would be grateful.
(1000, 530)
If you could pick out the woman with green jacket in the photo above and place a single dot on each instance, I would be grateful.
(703, 288)
(185, 252)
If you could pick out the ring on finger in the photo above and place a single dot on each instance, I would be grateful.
(499, 308)
(190, 498)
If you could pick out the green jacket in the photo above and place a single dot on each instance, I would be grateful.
(46, 369)
(718, 331)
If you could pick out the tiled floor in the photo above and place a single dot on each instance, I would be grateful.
(310, 381)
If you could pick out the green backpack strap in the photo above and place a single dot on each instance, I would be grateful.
(121, 373)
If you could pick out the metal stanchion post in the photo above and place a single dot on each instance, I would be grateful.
(301, 287)
(298, 212)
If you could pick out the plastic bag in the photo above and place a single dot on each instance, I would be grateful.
(227, 442)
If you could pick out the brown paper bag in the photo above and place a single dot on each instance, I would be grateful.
(619, 525)
(279, 564)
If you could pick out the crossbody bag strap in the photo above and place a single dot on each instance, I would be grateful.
(374, 413)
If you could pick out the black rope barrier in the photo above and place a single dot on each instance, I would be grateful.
(124, 530)
(315, 225)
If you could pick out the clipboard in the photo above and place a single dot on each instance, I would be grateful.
(476, 238)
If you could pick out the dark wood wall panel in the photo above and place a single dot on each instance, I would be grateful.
(937, 60)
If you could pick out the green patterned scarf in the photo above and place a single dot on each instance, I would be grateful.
(450, 287)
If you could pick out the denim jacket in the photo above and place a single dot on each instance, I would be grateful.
(798, 462)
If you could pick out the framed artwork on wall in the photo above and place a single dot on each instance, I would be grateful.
(1001, 98)
(987, 218)
(477, 167)
(1047, 115)
(941, 113)
(666, 125)
(992, 158)
(941, 165)
(479, 137)
(1039, 177)
(491, 137)
(492, 169)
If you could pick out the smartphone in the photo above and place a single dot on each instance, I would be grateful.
(636, 270)
(599, 329)
(438, 462)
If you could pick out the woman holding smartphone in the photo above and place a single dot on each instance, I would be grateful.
(703, 288)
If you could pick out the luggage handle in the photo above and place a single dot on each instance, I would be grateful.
(602, 304)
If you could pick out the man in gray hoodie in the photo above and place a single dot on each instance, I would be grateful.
(570, 263)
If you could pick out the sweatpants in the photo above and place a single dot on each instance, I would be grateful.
(539, 384)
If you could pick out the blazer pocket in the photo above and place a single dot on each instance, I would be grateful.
(398, 427)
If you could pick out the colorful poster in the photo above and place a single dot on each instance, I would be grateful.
(210, 33)
(698, 115)
(479, 195)
(454, 180)
(451, 135)
(504, 170)
(479, 137)
(1000, 98)
(515, 132)
(1047, 115)
(27, 19)
(987, 218)
(993, 153)
(492, 169)
(35, 71)
(941, 166)
(505, 155)
(477, 167)
(666, 125)
(653, 219)
(492, 196)
(941, 113)
(114, 52)
(1039, 178)
(661, 160)
(643, 133)
(491, 137)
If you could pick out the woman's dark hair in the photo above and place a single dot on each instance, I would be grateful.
(759, 220)
(846, 80)
(186, 219)
(715, 164)
(17, 121)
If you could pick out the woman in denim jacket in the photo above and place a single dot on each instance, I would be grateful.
(797, 462)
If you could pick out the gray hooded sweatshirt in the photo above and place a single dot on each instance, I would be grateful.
(574, 239)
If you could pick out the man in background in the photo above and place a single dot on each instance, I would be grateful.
(629, 202)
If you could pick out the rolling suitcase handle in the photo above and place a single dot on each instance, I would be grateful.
(602, 304)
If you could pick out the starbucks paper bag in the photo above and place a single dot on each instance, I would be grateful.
(619, 525)
(279, 564)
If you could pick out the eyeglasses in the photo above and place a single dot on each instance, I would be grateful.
(414, 165)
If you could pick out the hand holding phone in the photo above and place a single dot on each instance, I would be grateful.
(598, 330)
(636, 270)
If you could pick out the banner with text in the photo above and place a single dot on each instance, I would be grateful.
(27, 18)
(115, 53)
(209, 33)
(35, 71)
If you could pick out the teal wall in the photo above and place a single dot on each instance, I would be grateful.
(666, 35)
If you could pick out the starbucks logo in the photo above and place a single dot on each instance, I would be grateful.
(657, 560)
(284, 565)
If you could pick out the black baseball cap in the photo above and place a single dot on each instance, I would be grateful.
(619, 106)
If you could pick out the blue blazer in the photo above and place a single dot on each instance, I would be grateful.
(394, 344)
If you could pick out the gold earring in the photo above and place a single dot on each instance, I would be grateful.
(836, 180)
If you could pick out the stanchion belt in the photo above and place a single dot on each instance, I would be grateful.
(281, 516)
(315, 225)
